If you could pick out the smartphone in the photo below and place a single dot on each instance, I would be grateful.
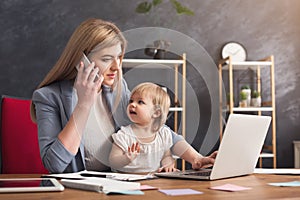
(85, 60)
(30, 185)
(86, 63)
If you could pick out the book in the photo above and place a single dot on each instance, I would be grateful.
(101, 185)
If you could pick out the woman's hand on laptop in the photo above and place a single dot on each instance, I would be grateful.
(204, 162)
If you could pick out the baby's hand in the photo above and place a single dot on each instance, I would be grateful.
(133, 151)
(168, 168)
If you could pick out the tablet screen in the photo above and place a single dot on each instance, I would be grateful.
(25, 183)
(30, 185)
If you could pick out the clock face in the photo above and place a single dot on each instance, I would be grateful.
(235, 50)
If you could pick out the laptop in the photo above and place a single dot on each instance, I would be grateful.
(239, 150)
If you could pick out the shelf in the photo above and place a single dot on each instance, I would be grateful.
(252, 109)
(249, 109)
(175, 109)
(247, 64)
(266, 155)
(148, 63)
(231, 66)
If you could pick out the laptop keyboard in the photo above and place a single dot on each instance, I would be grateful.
(200, 173)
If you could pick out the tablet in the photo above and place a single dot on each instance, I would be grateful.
(30, 185)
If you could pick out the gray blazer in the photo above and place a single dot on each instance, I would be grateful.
(54, 105)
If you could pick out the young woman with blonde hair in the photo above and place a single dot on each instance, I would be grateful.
(77, 108)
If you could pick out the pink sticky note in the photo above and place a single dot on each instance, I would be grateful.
(147, 187)
(230, 187)
(177, 192)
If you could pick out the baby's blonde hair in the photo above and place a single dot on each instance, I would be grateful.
(160, 100)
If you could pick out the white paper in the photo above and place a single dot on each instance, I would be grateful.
(277, 171)
(101, 184)
(110, 175)
(65, 176)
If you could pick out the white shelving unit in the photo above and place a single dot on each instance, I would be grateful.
(160, 64)
(230, 66)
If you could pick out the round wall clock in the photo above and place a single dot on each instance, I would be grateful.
(235, 50)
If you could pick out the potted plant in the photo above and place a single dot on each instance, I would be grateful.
(243, 98)
(158, 49)
(152, 9)
(255, 99)
(146, 6)
(246, 89)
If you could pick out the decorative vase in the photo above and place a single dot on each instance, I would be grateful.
(150, 51)
(158, 49)
(256, 102)
(160, 54)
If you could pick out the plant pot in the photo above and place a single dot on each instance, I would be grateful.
(150, 51)
(160, 54)
(243, 103)
(248, 92)
(256, 102)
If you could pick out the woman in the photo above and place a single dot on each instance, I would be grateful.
(77, 112)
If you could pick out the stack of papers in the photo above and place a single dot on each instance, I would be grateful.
(103, 185)
(107, 182)
(110, 175)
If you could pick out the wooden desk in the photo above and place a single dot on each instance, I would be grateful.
(258, 183)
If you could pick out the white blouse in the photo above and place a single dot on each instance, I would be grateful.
(151, 154)
(97, 136)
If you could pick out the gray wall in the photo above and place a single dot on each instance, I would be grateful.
(34, 33)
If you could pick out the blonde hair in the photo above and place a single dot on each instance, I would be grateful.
(160, 100)
(89, 36)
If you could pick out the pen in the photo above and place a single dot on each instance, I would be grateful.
(94, 175)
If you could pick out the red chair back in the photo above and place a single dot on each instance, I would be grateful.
(19, 140)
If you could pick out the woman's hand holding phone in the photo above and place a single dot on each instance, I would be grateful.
(87, 62)
(87, 84)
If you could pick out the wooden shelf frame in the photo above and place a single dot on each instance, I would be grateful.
(161, 64)
(230, 66)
